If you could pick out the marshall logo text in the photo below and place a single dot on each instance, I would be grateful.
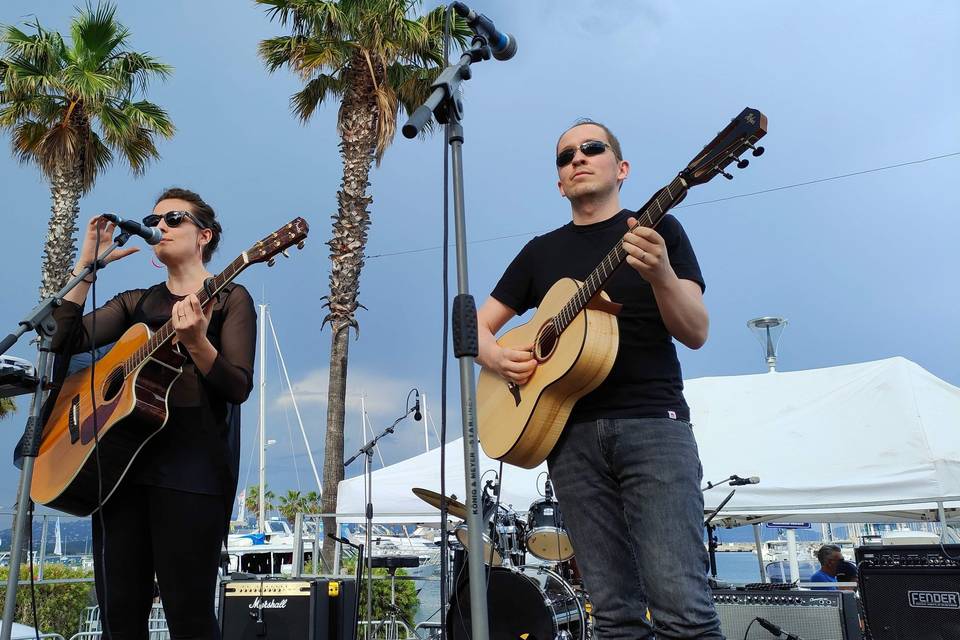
(272, 603)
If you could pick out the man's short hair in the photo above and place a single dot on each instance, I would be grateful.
(614, 143)
(826, 551)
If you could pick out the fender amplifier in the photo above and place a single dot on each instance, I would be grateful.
(811, 615)
(911, 591)
(288, 609)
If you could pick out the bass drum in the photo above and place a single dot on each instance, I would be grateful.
(528, 601)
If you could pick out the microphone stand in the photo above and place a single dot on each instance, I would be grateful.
(445, 104)
(367, 451)
(40, 319)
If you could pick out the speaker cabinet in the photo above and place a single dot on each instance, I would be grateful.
(811, 615)
(911, 592)
(288, 609)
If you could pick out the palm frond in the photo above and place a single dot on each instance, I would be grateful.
(325, 54)
(135, 70)
(96, 34)
(96, 157)
(149, 116)
(309, 17)
(138, 149)
(92, 85)
(305, 102)
(281, 51)
(28, 137)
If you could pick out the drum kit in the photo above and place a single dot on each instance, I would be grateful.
(540, 597)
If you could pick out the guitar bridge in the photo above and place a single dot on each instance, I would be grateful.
(514, 391)
(73, 420)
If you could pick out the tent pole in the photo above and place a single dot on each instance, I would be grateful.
(792, 554)
(759, 543)
(942, 515)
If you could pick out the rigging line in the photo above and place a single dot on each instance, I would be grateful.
(818, 180)
(293, 398)
(293, 452)
(368, 423)
(691, 204)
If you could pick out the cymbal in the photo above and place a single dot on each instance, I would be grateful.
(454, 507)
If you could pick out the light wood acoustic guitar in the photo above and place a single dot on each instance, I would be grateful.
(90, 441)
(574, 330)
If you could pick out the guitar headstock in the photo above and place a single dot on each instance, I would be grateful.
(738, 136)
(290, 234)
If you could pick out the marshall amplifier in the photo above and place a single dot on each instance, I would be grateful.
(811, 615)
(288, 609)
(911, 591)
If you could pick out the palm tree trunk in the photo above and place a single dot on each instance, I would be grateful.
(358, 131)
(59, 250)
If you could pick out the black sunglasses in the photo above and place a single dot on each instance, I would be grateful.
(588, 148)
(173, 219)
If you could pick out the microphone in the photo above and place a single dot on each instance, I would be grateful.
(777, 631)
(737, 481)
(502, 45)
(548, 489)
(151, 234)
(416, 407)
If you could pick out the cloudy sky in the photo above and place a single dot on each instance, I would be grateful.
(863, 266)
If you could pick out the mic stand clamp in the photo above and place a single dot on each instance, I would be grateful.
(712, 541)
(367, 451)
(40, 319)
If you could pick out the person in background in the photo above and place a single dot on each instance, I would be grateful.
(830, 562)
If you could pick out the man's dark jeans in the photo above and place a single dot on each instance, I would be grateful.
(629, 490)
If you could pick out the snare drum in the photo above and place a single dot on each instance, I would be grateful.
(546, 537)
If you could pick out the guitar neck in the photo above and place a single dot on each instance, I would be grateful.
(205, 295)
(652, 214)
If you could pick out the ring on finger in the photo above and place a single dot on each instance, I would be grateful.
(643, 254)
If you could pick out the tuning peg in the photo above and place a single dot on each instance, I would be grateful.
(757, 151)
(285, 254)
(741, 164)
(724, 173)
(271, 262)
(300, 244)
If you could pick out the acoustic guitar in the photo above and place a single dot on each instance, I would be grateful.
(90, 441)
(574, 330)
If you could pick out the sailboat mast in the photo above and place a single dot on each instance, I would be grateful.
(262, 519)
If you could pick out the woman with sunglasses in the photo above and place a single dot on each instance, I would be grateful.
(170, 513)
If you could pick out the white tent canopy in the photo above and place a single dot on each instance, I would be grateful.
(866, 442)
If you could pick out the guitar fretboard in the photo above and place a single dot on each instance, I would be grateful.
(167, 331)
(665, 199)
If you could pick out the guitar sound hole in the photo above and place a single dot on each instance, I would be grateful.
(546, 342)
(113, 384)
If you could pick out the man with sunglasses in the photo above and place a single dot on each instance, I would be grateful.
(626, 469)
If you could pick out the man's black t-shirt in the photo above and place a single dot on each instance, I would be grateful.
(645, 381)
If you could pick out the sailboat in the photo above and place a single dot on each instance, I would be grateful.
(268, 548)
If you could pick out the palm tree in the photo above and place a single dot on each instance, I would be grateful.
(252, 500)
(290, 505)
(376, 57)
(71, 108)
(7, 406)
